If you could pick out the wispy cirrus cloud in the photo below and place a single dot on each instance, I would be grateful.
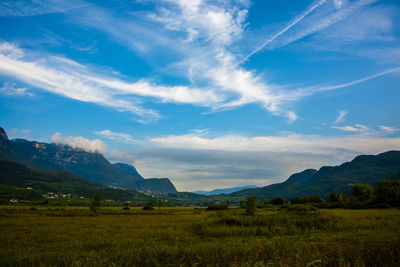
(295, 143)
(388, 129)
(201, 36)
(355, 128)
(13, 89)
(115, 136)
(341, 116)
(287, 28)
(71, 79)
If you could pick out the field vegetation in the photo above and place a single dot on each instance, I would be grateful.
(285, 235)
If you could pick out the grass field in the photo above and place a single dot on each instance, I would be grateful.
(73, 236)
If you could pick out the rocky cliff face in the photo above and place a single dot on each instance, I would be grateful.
(3, 135)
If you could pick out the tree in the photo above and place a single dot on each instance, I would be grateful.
(160, 203)
(279, 201)
(388, 191)
(363, 192)
(95, 203)
(338, 198)
(242, 204)
(251, 204)
(228, 202)
(263, 202)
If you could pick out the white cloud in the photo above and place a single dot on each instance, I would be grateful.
(13, 89)
(194, 162)
(200, 37)
(120, 137)
(388, 129)
(206, 20)
(26, 131)
(80, 142)
(295, 143)
(292, 116)
(355, 128)
(339, 3)
(71, 79)
(341, 116)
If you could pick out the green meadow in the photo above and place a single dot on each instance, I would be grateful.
(183, 236)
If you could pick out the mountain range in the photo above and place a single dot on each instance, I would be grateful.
(20, 182)
(90, 166)
(224, 190)
(364, 169)
(30, 162)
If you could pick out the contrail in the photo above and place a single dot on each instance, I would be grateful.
(284, 30)
(359, 80)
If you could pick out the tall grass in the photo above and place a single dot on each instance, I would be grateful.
(188, 237)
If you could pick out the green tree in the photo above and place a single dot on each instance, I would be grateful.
(363, 192)
(160, 203)
(263, 202)
(95, 203)
(339, 198)
(242, 204)
(251, 204)
(388, 191)
(228, 202)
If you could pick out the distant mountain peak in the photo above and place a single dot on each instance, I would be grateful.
(3, 135)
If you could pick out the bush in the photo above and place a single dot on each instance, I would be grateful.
(363, 192)
(217, 207)
(306, 199)
(126, 208)
(302, 209)
(148, 207)
(388, 191)
(251, 204)
(95, 203)
(279, 201)
(339, 199)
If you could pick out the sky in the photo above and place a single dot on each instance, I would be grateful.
(211, 94)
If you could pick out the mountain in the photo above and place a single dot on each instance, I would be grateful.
(158, 185)
(21, 182)
(225, 190)
(364, 169)
(129, 170)
(90, 166)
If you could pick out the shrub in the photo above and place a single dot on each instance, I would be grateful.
(251, 204)
(126, 208)
(95, 203)
(340, 198)
(388, 191)
(217, 207)
(306, 199)
(363, 192)
(302, 209)
(263, 202)
(279, 201)
(148, 207)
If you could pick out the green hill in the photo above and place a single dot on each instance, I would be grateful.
(21, 182)
(364, 169)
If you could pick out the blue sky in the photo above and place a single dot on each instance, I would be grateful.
(209, 93)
